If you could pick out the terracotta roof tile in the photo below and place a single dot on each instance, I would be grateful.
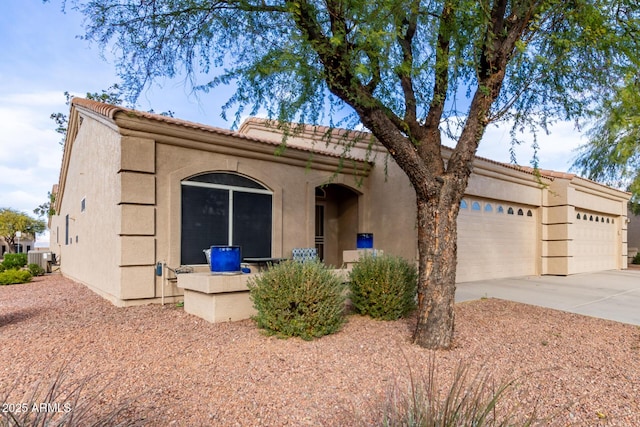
(110, 111)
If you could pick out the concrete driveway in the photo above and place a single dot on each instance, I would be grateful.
(613, 294)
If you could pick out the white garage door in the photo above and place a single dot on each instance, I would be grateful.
(596, 242)
(496, 240)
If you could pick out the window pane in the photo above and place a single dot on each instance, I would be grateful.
(205, 222)
(252, 224)
(227, 179)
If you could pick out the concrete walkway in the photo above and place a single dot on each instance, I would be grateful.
(613, 294)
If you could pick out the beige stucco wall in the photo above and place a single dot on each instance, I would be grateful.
(92, 255)
(292, 182)
(573, 246)
(129, 171)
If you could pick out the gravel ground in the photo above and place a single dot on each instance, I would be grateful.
(182, 370)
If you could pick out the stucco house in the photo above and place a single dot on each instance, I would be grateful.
(26, 244)
(137, 189)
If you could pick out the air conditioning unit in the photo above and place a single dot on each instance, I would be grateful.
(43, 259)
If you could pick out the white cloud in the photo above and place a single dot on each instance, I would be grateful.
(556, 150)
(30, 153)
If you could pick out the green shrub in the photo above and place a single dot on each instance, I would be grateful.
(303, 299)
(636, 259)
(12, 277)
(14, 261)
(383, 287)
(35, 270)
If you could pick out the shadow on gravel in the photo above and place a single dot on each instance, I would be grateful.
(18, 316)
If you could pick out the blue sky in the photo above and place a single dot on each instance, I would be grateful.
(42, 57)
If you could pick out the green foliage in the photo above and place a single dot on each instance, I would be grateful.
(303, 299)
(113, 96)
(467, 401)
(12, 221)
(12, 277)
(612, 155)
(636, 259)
(14, 261)
(383, 287)
(35, 269)
(285, 57)
(47, 209)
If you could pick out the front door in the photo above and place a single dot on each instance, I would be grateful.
(336, 222)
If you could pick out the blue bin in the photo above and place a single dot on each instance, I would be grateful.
(365, 241)
(225, 259)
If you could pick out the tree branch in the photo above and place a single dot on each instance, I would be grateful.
(499, 44)
(404, 72)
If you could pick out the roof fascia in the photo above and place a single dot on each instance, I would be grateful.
(229, 143)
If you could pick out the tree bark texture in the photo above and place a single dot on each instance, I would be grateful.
(437, 247)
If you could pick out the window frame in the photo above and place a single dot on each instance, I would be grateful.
(231, 192)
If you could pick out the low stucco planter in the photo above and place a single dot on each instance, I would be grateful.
(221, 298)
(217, 298)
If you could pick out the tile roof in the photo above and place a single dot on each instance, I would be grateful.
(110, 111)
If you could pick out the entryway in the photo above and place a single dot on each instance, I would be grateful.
(336, 222)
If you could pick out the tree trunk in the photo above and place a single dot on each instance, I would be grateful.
(437, 249)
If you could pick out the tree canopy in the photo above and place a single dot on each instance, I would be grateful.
(410, 71)
(612, 154)
(403, 55)
(12, 221)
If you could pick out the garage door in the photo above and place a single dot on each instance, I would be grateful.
(496, 240)
(595, 243)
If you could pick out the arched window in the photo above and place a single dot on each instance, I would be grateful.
(590, 217)
(224, 209)
(529, 213)
(520, 212)
(578, 216)
(475, 206)
(488, 207)
(463, 204)
(584, 217)
(597, 220)
(510, 211)
(500, 209)
(607, 220)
